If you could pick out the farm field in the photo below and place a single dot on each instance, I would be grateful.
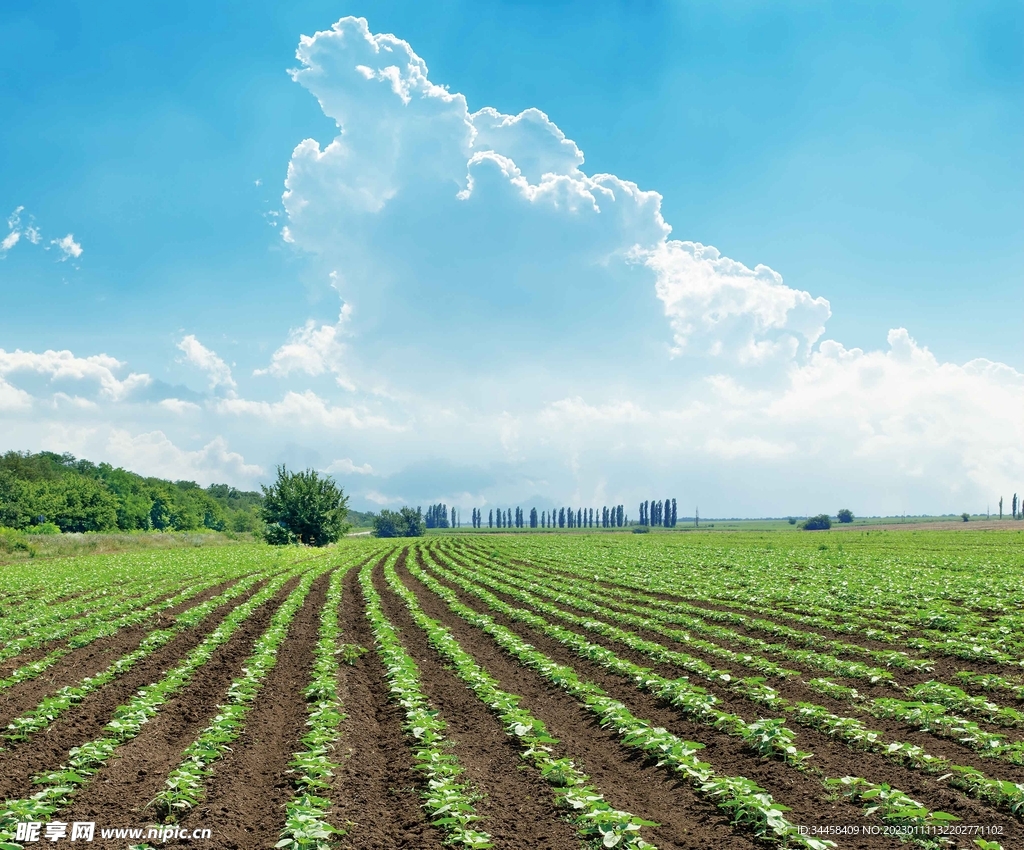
(862, 689)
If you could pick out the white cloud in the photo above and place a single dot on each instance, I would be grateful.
(63, 367)
(68, 247)
(747, 313)
(306, 410)
(218, 372)
(380, 499)
(14, 226)
(346, 466)
(313, 350)
(13, 399)
(153, 453)
(177, 405)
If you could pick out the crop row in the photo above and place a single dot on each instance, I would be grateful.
(83, 762)
(593, 816)
(1006, 795)
(53, 706)
(448, 800)
(306, 826)
(746, 802)
(184, 787)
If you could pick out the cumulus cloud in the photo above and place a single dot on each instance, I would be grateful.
(63, 368)
(153, 453)
(218, 373)
(177, 405)
(68, 247)
(748, 313)
(313, 350)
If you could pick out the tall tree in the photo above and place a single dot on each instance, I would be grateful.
(304, 507)
(673, 513)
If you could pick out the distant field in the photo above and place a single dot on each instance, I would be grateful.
(726, 690)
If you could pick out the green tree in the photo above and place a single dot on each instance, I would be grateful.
(403, 523)
(304, 507)
(844, 515)
(821, 522)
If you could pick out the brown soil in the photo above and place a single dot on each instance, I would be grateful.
(96, 657)
(119, 794)
(245, 802)
(517, 806)
(801, 790)
(84, 722)
(375, 785)
(627, 781)
(945, 671)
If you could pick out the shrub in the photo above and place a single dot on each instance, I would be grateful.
(304, 507)
(792, 520)
(820, 522)
(43, 528)
(966, 517)
(844, 515)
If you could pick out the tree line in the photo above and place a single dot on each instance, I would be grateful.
(58, 492)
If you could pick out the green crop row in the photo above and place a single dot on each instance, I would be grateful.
(52, 707)
(448, 800)
(184, 787)
(592, 815)
(83, 762)
(748, 804)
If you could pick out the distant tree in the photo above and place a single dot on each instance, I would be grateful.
(1014, 506)
(561, 517)
(674, 515)
(792, 520)
(820, 522)
(620, 516)
(579, 518)
(966, 517)
(533, 517)
(844, 515)
(304, 507)
(403, 523)
(1000, 507)
(490, 518)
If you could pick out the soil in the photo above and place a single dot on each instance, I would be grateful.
(517, 806)
(799, 789)
(374, 793)
(47, 750)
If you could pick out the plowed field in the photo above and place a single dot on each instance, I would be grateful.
(676, 690)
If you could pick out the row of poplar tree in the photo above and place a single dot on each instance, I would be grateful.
(607, 517)
(658, 513)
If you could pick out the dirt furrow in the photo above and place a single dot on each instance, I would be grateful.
(627, 780)
(374, 793)
(97, 656)
(84, 722)
(245, 801)
(518, 807)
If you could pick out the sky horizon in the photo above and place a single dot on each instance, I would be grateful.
(758, 257)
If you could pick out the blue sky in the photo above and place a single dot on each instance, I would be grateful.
(443, 324)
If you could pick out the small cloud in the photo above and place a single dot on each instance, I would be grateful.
(217, 371)
(68, 247)
(381, 499)
(177, 405)
(346, 465)
(258, 182)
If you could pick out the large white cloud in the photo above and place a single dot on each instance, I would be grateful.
(513, 327)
